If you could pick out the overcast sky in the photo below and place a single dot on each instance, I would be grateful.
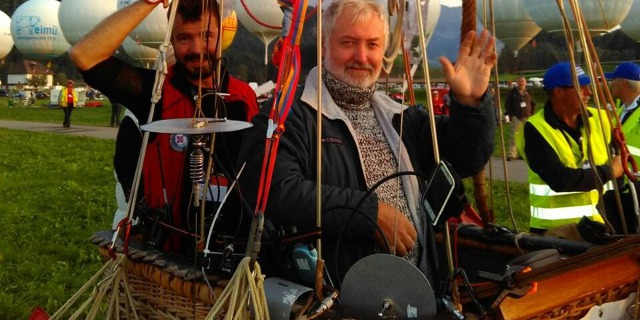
(451, 3)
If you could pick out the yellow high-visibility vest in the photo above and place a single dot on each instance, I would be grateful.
(549, 208)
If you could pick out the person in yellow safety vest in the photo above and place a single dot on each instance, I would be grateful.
(625, 86)
(562, 184)
(68, 100)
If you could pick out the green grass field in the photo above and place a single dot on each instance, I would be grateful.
(57, 190)
(40, 112)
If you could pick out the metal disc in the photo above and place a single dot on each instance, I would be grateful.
(195, 125)
(380, 278)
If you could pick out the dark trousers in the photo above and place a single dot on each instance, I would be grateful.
(67, 116)
(629, 214)
(115, 114)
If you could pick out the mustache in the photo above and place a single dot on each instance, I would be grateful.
(196, 57)
(356, 65)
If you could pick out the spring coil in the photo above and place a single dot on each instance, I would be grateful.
(196, 165)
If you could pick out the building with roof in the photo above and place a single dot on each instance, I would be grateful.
(19, 74)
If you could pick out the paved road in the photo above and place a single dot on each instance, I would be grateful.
(516, 170)
(89, 131)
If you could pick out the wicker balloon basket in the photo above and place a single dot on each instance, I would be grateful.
(160, 286)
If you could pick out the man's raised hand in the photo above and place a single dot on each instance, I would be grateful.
(469, 77)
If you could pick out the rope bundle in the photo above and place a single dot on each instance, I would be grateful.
(236, 295)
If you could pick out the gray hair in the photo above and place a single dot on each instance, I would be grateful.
(362, 9)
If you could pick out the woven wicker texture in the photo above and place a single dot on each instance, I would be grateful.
(162, 286)
(157, 294)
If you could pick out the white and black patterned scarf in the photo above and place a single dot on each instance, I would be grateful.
(377, 157)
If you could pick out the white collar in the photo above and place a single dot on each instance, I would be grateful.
(633, 105)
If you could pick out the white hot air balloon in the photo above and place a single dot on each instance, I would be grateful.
(143, 54)
(152, 30)
(514, 26)
(36, 31)
(600, 15)
(430, 11)
(269, 20)
(77, 17)
(631, 24)
(6, 42)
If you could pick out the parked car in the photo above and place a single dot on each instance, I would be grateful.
(94, 94)
(396, 96)
(19, 95)
(42, 95)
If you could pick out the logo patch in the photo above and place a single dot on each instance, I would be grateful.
(332, 140)
(179, 142)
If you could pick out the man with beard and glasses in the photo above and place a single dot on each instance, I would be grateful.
(361, 143)
(194, 37)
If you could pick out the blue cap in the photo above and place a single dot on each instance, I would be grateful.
(559, 75)
(625, 70)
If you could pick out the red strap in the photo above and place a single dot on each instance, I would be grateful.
(625, 155)
(268, 162)
(126, 224)
(284, 94)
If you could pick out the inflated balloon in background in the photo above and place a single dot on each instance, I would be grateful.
(262, 19)
(600, 15)
(631, 24)
(6, 42)
(139, 52)
(78, 17)
(514, 26)
(229, 29)
(152, 30)
(36, 31)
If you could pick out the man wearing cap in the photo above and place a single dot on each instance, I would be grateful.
(625, 86)
(562, 180)
(68, 100)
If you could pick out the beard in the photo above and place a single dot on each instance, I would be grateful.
(359, 80)
(195, 73)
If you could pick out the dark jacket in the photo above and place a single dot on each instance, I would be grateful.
(513, 104)
(466, 140)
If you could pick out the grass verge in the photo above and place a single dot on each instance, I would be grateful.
(55, 192)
